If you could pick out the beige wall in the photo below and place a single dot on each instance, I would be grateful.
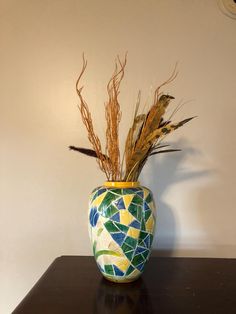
(44, 187)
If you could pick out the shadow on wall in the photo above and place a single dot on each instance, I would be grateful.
(163, 172)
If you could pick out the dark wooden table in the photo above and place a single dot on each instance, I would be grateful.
(73, 284)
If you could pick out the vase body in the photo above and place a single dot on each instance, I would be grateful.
(121, 228)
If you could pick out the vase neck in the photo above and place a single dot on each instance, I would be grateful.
(121, 184)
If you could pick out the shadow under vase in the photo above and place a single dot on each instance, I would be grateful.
(125, 298)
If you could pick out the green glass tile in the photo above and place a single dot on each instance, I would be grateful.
(110, 211)
(133, 209)
(129, 191)
(122, 227)
(108, 199)
(143, 227)
(125, 247)
(130, 270)
(147, 214)
(137, 200)
(111, 227)
(116, 191)
(131, 241)
(139, 214)
(138, 259)
(129, 255)
(141, 243)
(136, 211)
(149, 198)
(109, 269)
(143, 235)
(151, 239)
(146, 254)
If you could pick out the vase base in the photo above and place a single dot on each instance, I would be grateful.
(121, 280)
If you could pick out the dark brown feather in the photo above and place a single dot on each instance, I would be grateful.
(86, 151)
(165, 151)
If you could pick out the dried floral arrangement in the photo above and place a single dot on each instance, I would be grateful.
(144, 138)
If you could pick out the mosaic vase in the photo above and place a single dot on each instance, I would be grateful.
(121, 228)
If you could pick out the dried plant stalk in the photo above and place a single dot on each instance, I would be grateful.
(87, 120)
(144, 137)
(113, 117)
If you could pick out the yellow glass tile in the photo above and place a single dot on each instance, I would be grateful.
(135, 273)
(151, 205)
(133, 232)
(99, 199)
(150, 224)
(123, 264)
(127, 200)
(145, 192)
(125, 217)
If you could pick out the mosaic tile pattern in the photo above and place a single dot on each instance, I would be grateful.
(121, 227)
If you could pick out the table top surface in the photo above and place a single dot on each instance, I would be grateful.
(73, 284)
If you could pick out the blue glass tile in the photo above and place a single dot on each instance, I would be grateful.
(118, 237)
(135, 224)
(100, 191)
(147, 241)
(120, 203)
(146, 207)
(117, 271)
(140, 193)
(93, 216)
(140, 250)
(140, 266)
(116, 217)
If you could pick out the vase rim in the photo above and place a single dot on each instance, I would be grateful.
(122, 184)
